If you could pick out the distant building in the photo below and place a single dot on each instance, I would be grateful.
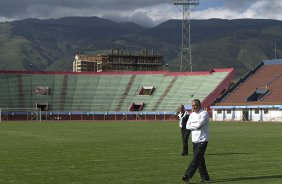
(83, 63)
(256, 97)
(118, 61)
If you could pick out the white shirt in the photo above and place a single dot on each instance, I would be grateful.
(198, 124)
(181, 116)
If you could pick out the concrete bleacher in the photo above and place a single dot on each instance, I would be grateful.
(158, 81)
(267, 77)
(9, 88)
(56, 92)
(107, 92)
(5, 93)
(255, 97)
(187, 88)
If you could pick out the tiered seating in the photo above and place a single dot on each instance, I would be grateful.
(187, 88)
(156, 80)
(109, 91)
(106, 92)
(275, 88)
(67, 95)
(12, 81)
(56, 92)
(5, 97)
(133, 91)
(161, 86)
(27, 87)
(262, 79)
(119, 92)
(178, 94)
(30, 82)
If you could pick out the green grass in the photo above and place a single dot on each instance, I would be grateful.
(134, 153)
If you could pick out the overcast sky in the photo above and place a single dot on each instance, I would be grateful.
(143, 12)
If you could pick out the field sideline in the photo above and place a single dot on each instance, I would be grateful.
(134, 153)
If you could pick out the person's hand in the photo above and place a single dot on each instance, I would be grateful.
(179, 115)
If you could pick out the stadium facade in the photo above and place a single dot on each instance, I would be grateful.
(128, 95)
(256, 97)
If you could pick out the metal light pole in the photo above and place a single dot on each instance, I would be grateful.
(186, 51)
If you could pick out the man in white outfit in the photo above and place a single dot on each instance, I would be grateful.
(198, 123)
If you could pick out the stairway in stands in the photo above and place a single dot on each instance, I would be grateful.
(63, 93)
(20, 91)
(131, 80)
(165, 93)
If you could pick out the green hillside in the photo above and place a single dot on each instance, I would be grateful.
(51, 44)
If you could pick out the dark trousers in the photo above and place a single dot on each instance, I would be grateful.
(198, 161)
(185, 136)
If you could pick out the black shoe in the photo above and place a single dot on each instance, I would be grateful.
(184, 154)
(185, 178)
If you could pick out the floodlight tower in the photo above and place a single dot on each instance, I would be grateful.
(186, 51)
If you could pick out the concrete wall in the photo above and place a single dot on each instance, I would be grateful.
(247, 115)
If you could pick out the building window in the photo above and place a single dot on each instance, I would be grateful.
(256, 111)
(219, 111)
(265, 111)
(228, 111)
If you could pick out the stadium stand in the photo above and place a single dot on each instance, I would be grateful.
(110, 92)
(267, 77)
(258, 94)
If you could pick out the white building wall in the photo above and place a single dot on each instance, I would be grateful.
(228, 114)
(238, 115)
(253, 115)
(274, 115)
(225, 115)
(217, 116)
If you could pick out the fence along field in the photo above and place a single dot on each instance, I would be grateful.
(134, 152)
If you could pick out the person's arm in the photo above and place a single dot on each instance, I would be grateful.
(188, 124)
(197, 125)
(180, 115)
(186, 116)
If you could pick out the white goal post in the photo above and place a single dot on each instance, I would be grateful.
(13, 114)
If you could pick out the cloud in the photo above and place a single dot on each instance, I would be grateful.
(140, 18)
(148, 16)
(238, 5)
(12, 8)
(4, 19)
(237, 9)
(145, 12)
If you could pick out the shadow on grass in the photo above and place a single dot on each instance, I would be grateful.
(247, 178)
(233, 153)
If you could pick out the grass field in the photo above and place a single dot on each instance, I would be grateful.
(134, 153)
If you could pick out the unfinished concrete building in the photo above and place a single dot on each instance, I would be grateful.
(119, 61)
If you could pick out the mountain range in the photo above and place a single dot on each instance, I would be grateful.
(51, 44)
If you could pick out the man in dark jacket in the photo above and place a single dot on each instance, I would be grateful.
(183, 118)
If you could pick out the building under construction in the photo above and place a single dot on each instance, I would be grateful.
(119, 61)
